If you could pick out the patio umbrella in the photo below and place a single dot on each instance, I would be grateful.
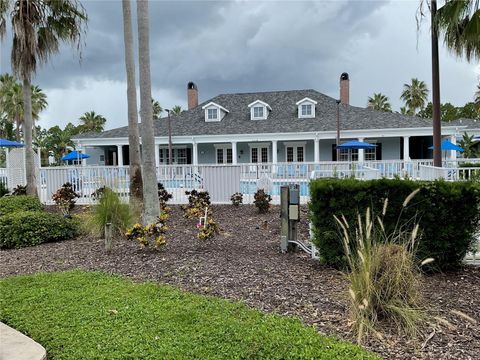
(10, 143)
(447, 145)
(75, 155)
(355, 144)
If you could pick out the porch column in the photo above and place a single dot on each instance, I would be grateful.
(234, 152)
(406, 148)
(453, 153)
(316, 150)
(157, 155)
(120, 155)
(274, 151)
(195, 153)
(361, 152)
(84, 161)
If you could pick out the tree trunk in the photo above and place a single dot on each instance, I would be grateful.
(151, 206)
(136, 186)
(27, 135)
(437, 125)
(17, 127)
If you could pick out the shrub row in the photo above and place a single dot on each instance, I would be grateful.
(28, 228)
(11, 204)
(448, 214)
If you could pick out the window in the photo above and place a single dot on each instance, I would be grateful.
(348, 154)
(295, 152)
(224, 155)
(307, 110)
(220, 156)
(212, 114)
(258, 112)
(254, 155)
(181, 155)
(214, 111)
(370, 154)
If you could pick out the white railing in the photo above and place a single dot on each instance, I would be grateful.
(224, 180)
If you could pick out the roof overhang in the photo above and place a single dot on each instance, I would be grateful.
(306, 100)
(260, 102)
(211, 103)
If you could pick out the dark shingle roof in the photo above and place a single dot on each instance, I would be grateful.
(282, 119)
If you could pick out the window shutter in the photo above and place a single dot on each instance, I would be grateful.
(379, 151)
(189, 155)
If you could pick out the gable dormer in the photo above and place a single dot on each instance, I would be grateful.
(306, 108)
(259, 110)
(214, 112)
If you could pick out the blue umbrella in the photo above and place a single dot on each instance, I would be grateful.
(448, 145)
(9, 143)
(354, 144)
(75, 155)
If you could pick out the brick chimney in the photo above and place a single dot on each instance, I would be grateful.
(192, 95)
(344, 89)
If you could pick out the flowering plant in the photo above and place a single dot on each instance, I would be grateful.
(208, 230)
(145, 234)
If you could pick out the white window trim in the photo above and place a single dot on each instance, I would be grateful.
(306, 101)
(259, 147)
(296, 145)
(221, 111)
(224, 147)
(257, 103)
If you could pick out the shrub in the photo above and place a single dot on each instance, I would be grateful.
(28, 228)
(237, 199)
(447, 212)
(19, 190)
(65, 198)
(110, 209)
(11, 204)
(145, 234)
(163, 196)
(262, 201)
(197, 202)
(382, 273)
(3, 189)
(97, 194)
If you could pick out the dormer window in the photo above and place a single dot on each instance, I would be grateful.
(214, 112)
(306, 108)
(259, 110)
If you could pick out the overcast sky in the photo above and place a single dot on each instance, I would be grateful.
(244, 46)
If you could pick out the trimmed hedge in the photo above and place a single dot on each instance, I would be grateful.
(28, 228)
(448, 214)
(12, 204)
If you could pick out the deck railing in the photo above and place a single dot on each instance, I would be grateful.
(225, 179)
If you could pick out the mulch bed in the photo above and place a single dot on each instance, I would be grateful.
(244, 263)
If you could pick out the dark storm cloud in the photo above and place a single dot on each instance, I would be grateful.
(223, 46)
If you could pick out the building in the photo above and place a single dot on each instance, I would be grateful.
(276, 127)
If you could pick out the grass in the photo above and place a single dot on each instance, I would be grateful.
(90, 315)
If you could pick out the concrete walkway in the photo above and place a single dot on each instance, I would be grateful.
(16, 346)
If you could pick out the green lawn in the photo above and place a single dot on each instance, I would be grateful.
(81, 315)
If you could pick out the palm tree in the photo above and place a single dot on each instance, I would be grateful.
(92, 122)
(136, 185)
(11, 101)
(176, 110)
(151, 206)
(469, 146)
(379, 102)
(415, 95)
(459, 23)
(38, 28)
(157, 109)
